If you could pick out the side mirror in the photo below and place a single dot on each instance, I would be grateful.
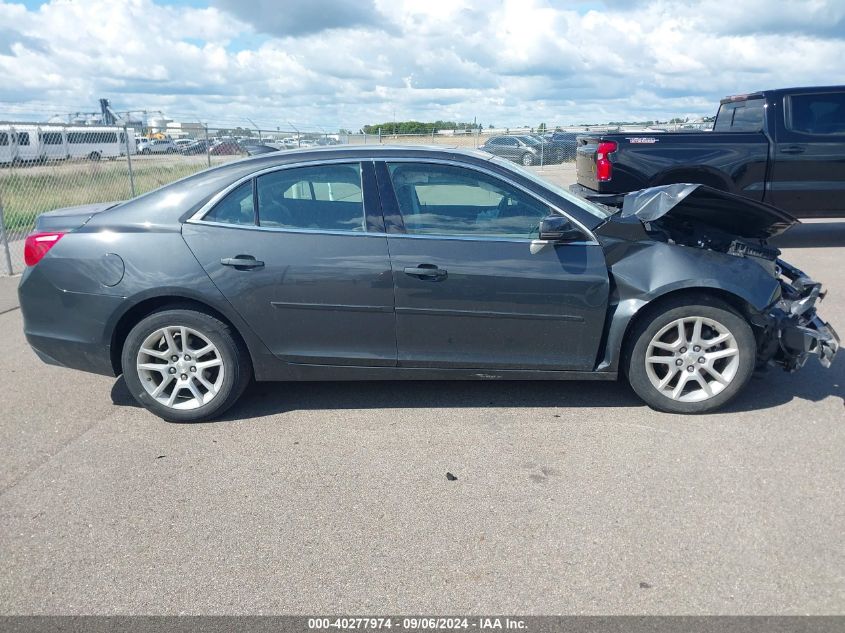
(556, 228)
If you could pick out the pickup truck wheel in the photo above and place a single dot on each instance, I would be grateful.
(692, 356)
(527, 159)
(95, 156)
(184, 365)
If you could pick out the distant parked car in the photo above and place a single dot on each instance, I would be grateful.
(256, 149)
(524, 149)
(563, 145)
(196, 147)
(182, 142)
(225, 148)
(159, 146)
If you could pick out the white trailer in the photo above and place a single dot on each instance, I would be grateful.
(28, 144)
(34, 143)
(95, 143)
(8, 145)
(19, 144)
(53, 142)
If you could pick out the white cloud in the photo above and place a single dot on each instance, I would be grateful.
(335, 63)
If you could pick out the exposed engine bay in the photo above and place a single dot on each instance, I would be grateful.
(789, 330)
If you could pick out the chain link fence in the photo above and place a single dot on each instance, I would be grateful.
(48, 166)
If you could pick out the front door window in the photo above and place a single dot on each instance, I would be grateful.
(449, 200)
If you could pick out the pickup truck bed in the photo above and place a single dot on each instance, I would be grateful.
(784, 147)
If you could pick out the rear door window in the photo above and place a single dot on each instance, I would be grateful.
(821, 113)
(322, 197)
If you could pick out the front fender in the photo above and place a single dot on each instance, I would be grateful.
(656, 269)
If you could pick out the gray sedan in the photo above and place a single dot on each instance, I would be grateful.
(368, 263)
(524, 149)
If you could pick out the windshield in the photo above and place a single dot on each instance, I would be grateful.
(529, 140)
(599, 211)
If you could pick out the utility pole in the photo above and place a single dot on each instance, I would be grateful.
(129, 160)
(256, 128)
(298, 139)
(4, 240)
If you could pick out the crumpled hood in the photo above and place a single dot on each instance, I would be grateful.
(732, 214)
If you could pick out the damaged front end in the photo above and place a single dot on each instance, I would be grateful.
(789, 330)
(795, 331)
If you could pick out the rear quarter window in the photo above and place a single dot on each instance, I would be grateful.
(741, 116)
(236, 208)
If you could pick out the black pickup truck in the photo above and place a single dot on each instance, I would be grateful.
(785, 147)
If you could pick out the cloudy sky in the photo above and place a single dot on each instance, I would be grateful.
(345, 63)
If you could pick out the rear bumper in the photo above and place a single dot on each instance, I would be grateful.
(68, 329)
(84, 356)
(610, 199)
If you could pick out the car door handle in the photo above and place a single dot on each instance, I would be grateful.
(242, 262)
(426, 271)
(794, 149)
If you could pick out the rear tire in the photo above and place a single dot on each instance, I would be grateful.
(94, 156)
(690, 355)
(210, 371)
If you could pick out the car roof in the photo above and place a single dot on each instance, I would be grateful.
(172, 203)
(354, 152)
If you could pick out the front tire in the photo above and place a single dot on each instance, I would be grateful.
(527, 159)
(184, 365)
(690, 355)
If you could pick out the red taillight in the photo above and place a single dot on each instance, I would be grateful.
(604, 168)
(37, 245)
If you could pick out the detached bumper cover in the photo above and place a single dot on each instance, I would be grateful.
(798, 332)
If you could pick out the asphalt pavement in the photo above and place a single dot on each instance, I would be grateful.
(316, 498)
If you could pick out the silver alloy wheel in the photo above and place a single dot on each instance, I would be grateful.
(692, 359)
(527, 159)
(180, 367)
